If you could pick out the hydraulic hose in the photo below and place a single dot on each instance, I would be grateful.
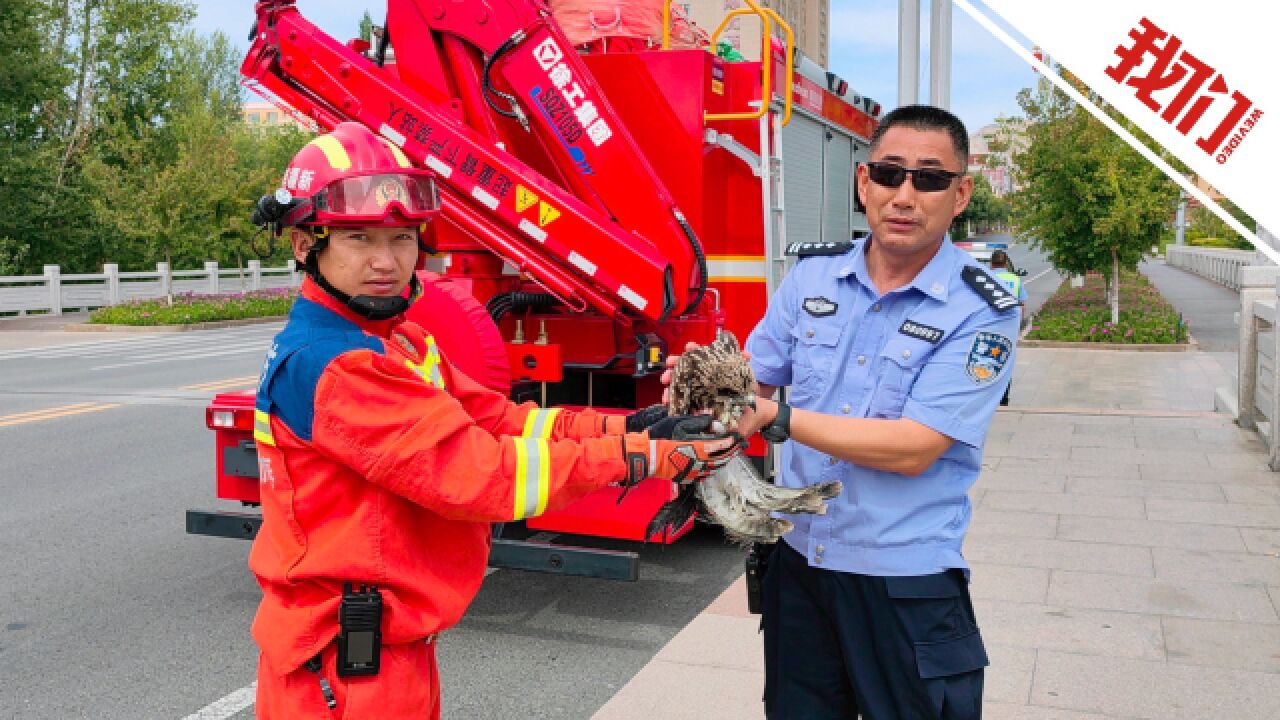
(503, 303)
(698, 256)
(488, 90)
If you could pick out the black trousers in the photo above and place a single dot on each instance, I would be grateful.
(837, 645)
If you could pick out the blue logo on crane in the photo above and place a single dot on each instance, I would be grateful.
(567, 128)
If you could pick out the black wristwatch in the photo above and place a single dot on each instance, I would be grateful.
(780, 429)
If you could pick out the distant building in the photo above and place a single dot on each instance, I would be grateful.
(260, 113)
(1204, 186)
(809, 20)
(991, 154)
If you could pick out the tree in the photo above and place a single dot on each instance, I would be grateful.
(122, 139)
(985, 212)
(1088, 199)
(366, 27)
(34, 82)
(73, 70)
(191, 201)
(1205, 227)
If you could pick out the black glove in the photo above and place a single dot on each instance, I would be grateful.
(640, 420)
(683, 427)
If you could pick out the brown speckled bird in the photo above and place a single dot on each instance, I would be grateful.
(713, 378)
(716, 379)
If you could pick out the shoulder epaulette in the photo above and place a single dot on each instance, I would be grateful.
(808, 249)
(991, 290)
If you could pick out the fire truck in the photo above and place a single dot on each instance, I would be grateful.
(602, 204)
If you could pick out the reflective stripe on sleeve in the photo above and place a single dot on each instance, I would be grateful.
(429, 370)
(533, 477)
(262, 428)
(538, 424)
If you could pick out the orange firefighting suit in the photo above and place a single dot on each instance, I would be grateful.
(381, 463)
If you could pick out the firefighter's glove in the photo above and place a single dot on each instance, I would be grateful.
(681, 448)
(638, 421)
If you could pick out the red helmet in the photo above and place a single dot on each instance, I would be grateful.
(354, 177)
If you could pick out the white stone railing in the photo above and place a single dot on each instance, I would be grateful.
(1220, 265)
(53, 292)
(1258, 378)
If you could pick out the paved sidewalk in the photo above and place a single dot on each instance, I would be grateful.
(1125, 550)
(36, 331)
(1119, 380)
(1125, 547)
(1209, 309)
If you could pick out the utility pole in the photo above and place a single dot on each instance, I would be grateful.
(909, 51)
(940, 53)
(1182, 217)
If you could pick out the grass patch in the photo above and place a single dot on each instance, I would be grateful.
(191, 308)
(1084, 315)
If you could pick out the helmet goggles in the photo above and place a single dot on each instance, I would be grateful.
(398, 198)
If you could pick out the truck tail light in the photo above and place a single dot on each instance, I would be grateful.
(229, 419)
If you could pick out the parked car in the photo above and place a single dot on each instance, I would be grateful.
(981, 251)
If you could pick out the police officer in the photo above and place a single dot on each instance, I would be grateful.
(382, 465)
(896, 349)
(1002, 270)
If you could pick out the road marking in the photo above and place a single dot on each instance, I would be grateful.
(216, 385)
(29, 413)
(227, 706)
(187, 356)
(1037, 277)
(54, 413)
(116, 347)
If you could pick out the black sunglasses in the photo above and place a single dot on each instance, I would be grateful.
(923, 179)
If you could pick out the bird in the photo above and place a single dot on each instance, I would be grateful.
(713, 378)
(716, 379)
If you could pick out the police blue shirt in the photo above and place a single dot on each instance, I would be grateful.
(935, 351)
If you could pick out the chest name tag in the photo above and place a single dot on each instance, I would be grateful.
(921, 332)
(987, 357)
(820, 306)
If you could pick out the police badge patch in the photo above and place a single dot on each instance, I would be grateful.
(987, 357)
(819, 306)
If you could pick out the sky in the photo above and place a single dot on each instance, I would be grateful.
(985, 75)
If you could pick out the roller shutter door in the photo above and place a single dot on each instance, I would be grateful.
(839, 181)
(802, 146)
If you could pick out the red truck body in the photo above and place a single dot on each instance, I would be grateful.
(630, 206)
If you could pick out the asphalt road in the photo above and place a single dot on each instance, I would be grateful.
(109, 610)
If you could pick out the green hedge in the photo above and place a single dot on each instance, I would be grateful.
(1084, 315)
(192, 308)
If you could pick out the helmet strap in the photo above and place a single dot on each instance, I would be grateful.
(370, 307)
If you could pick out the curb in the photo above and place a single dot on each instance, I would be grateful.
(87, 327)
(1192, 346)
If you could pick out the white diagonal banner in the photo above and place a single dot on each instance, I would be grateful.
(1197, 77)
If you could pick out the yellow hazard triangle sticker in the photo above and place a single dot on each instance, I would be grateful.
(524, 198)
(547, 215)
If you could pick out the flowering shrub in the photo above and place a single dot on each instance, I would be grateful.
(195, 308)
(1084, 315)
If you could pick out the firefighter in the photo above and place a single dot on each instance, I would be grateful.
(382, 465)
